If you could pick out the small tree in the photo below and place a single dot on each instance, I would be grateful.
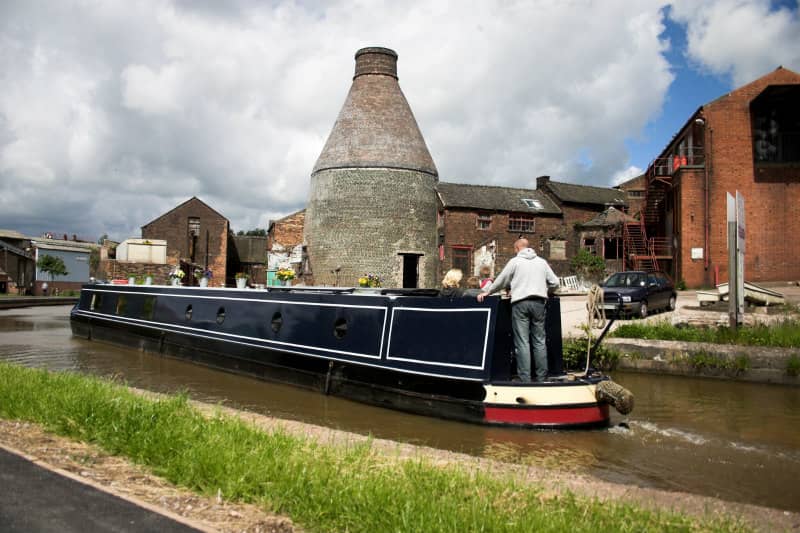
(588, 266)
(54, 266)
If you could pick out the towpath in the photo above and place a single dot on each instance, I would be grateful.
(38, 499)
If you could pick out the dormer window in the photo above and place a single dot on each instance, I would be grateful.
(530, 203)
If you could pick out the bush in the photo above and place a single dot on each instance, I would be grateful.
(574, 353)
(588, 265)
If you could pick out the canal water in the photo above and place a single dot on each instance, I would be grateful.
(735, 441)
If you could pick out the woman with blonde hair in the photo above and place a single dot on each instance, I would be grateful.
(451, 284)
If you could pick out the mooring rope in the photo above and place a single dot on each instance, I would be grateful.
(596, 318)
(596, 313)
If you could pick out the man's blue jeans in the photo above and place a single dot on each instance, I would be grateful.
(527, 320)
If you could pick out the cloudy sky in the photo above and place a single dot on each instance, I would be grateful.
(112, 113)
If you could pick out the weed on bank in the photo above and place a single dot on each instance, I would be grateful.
(321, 487)
(783, 334)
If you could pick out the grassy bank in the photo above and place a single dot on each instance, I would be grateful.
(784, 334)
(323, 488)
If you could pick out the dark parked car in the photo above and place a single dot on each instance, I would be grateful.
(638, 292)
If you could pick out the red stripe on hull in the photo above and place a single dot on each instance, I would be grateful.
(559, 416)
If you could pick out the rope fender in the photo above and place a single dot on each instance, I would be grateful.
(615, 394)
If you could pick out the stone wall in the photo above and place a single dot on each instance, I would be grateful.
(113, 269)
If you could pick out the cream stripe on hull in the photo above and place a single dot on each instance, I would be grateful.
(563, 395)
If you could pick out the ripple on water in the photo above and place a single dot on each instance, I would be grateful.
(685, 436)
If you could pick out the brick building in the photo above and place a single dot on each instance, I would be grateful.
(478, 224)
(747, 140)
(197, 237)
(636, 192)
(249, 255)
(285, 245)
(16, 262)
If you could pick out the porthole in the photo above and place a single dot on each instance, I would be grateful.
(277, 322)
(340, 328)
(188, 314)
(220, 315)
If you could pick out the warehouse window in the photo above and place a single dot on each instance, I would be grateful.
(484, 221)
(521, 224)
(461, 258)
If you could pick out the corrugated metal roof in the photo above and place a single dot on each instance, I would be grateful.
(494, 198)
(67, 246)
(11, 234)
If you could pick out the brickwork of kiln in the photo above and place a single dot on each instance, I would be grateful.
(361, 219)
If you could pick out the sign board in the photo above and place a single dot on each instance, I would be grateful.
(697, 253)
(740, 222)
(736, 242)
(740, 253)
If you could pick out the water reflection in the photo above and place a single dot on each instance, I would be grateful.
(733, 440)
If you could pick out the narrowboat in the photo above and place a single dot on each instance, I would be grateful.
(406, 349)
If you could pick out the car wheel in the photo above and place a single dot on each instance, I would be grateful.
(671, 305)
(643, 310)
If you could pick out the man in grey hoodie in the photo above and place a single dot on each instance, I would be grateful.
(529, 277)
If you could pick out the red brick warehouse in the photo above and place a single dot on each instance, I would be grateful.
(747, 140)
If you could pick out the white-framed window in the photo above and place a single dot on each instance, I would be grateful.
(521, 224)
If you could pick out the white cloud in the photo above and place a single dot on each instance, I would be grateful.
(624, 175)
(742, 38)
(111, 114)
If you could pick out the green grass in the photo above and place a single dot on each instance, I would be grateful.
(784, 334)
(574, 353)
(321, 487)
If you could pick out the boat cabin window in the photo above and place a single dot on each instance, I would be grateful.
(97, 301)
(122, 304)
(340, 328)
(148, 307)
(220, 315)
(277, 322)
(188, 314)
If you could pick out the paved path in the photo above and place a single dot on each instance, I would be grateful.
(36, 499)
(573, 309)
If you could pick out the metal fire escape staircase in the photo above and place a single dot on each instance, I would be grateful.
(639, 251)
